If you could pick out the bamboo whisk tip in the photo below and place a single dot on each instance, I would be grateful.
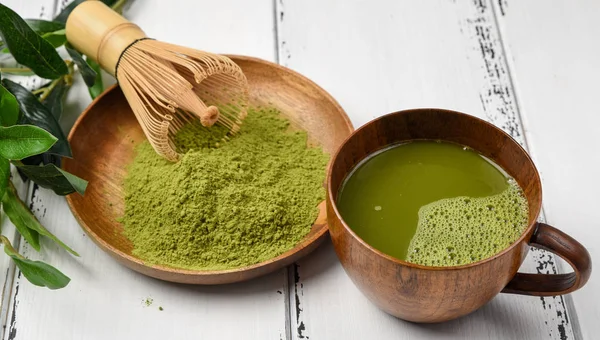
(211, 116)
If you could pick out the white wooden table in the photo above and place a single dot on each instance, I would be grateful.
(530, 67)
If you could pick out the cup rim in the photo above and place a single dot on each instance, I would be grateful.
(524, 234)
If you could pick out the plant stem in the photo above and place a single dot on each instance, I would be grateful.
(118, 6)
(46, 91)
(18, 70)
(15, 70)
(68, 78)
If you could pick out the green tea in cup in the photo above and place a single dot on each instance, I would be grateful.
(433, 203)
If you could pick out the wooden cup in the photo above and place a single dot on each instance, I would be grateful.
(434, 294)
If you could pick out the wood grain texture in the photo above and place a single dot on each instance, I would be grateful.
(106, 135)
(377, 59)
(229, 26)
(105, 300)
(559, 243)
(427, 294)
(553, 52)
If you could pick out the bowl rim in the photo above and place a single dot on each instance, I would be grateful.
(312, 238)
(525, 235)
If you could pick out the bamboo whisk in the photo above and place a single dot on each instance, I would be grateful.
(165, 85)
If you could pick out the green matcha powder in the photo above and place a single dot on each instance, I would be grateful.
(224, 204)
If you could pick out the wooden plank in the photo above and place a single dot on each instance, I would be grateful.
(7, 267)
(381, 58)
(231, 26)
(553, 52)
(42, 9)
(106, 300)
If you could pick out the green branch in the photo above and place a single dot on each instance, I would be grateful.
(118, 6)
(47, 90)
(68, 78)
(15, 70)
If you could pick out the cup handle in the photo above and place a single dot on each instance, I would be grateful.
(563, 245)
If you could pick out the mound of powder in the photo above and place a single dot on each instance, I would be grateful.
(224, 204)
(463, 230)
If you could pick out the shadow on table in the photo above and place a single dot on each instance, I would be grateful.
(271, 282)
(321, 260)
(507, 316)
(501, 317)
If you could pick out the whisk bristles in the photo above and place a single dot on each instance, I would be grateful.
(168, 86)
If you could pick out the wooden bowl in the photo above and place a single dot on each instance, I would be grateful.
(105, 135)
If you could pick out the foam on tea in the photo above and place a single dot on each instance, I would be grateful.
(462, 230)
(433, 203)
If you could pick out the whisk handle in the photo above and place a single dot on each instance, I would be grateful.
(101, 33)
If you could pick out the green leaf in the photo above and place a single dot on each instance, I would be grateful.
(44, 26)
(21, 141)
(49, 176)
(43, 159)
(21, 215)
(9, 108)
(54, 100)
(98, 87)
(28, 48)
(79, 184)
(36, 113)
(15, 210)
(37, 272)
(64, 14)
(56, 39)
(88, 74)
(4, 175)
